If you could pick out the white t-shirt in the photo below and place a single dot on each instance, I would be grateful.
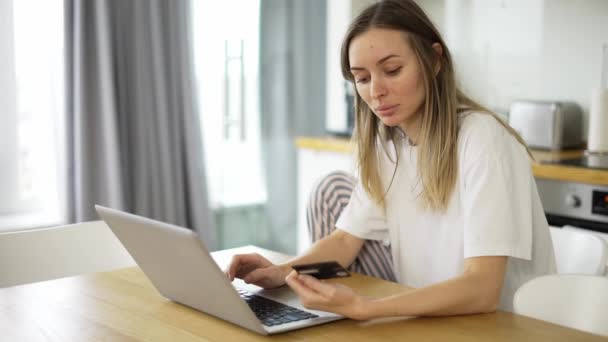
(494, 210)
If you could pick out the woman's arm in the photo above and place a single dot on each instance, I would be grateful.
(255, 269)
(339, 246)
(476, 290)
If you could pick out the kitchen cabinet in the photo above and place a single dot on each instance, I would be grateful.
(316, 158)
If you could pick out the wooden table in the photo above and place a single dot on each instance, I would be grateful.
(123, 305)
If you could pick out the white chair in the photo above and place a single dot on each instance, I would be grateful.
(49, 253)
(579, 252)
(573, 300)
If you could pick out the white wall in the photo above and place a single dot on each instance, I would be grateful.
(534, 49)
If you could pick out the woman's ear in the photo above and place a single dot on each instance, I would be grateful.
(439, 51)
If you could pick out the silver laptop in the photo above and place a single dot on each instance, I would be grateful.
(179, 265)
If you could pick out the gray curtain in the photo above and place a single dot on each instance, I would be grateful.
(133, 126)
(292, 57)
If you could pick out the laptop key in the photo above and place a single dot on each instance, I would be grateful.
(283, 320)
(270, 323)
(303, 315)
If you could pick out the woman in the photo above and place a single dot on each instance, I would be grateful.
(441, 179)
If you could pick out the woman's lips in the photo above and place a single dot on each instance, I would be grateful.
(386, 110)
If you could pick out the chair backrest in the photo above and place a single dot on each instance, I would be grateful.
(579, 252)
(49, 253)
(577, 301)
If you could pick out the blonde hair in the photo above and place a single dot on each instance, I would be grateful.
(444, 102)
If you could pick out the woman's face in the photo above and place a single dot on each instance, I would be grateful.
(388, 76)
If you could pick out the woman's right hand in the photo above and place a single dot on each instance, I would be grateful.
(255, 269)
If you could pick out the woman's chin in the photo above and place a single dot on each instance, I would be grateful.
(390, 121)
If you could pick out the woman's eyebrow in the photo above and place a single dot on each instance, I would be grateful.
(384, 59)
(380, 61)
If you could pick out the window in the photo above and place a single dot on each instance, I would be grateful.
(226, 49)
(31, 130)
(226, 59)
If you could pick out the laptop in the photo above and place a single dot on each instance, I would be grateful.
(179, 265)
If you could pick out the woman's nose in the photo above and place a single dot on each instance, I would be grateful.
(377, 89)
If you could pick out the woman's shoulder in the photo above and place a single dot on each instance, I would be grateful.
(475, 122)
(481, 133)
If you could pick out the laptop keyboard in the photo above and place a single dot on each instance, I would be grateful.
(270, 312)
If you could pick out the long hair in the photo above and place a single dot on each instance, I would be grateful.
(443, 103)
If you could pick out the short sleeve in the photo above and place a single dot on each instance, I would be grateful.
(363, 217)
(497, 196)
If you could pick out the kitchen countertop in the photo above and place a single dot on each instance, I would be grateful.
(540, 168)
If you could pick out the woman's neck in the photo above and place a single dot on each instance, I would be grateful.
(411, 129)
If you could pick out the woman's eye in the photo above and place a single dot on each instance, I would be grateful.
(361, 80)
(394, 71)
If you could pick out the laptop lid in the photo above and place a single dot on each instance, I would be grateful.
(180, 267)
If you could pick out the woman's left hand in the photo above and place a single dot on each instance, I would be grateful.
(319, 295)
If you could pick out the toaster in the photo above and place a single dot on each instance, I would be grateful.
(550, 125)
